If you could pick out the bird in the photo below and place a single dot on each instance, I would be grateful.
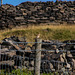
(38, 36)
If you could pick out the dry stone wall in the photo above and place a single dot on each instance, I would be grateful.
(37, 12)
(15, 53)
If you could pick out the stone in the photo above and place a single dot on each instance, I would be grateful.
(61, 58)
(56, 12)
(73, 60)
(68, 66)
(19, 18)
(69, 54)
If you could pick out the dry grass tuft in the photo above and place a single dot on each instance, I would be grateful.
(51, 32)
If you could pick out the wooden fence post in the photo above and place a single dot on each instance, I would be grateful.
(37, 61)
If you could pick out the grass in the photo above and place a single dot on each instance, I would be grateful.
(24, 72)
(50, 32)
(17, 72)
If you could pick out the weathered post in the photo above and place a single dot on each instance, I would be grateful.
(37, 56)
(0, 2)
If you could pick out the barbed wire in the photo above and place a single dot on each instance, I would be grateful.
(33, 58)
(7, 50)
(52, 43)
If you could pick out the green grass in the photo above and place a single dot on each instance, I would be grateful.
(59, 34)
(23, 72)
(17, 72)
(46, 32)
(63, 34)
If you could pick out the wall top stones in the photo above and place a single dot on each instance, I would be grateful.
(37, 12)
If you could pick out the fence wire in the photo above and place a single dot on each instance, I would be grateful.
(18, 58)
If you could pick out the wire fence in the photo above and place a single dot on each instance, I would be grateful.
(42, 58)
